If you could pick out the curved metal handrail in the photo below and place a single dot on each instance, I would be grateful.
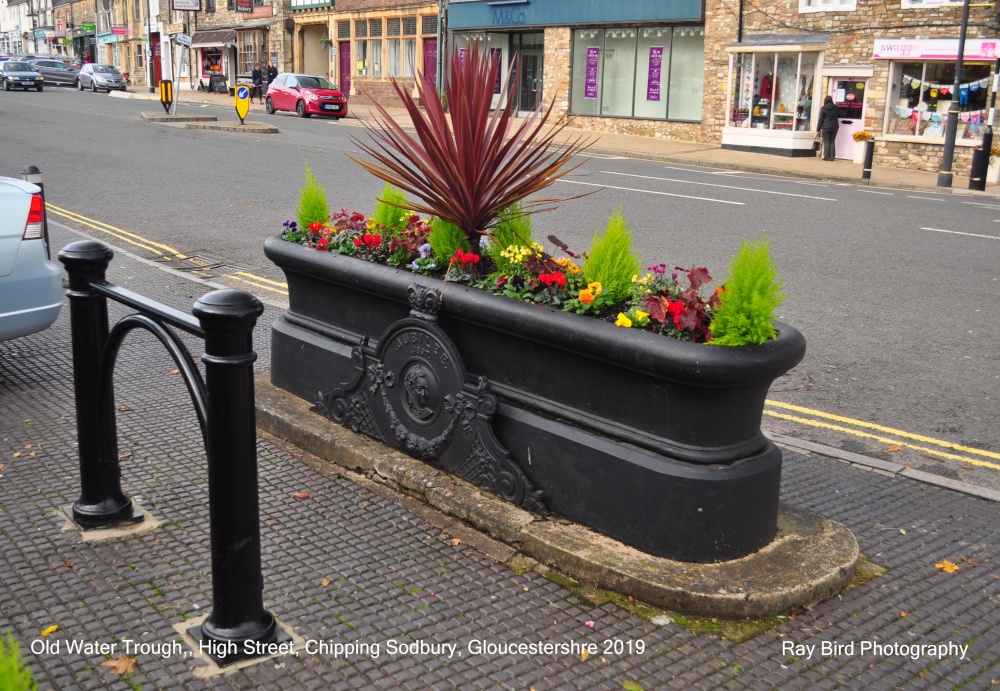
(178, 351)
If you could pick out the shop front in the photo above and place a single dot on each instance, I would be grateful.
(214, 59)
(775, 92)
(632, 67)
(85, 41)
(922, 88)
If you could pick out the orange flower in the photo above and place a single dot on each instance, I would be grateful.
(586, 296)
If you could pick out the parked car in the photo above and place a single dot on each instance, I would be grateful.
(55, 71)
(30, 284)
(96, 76)
(305, 94)
(15, 74)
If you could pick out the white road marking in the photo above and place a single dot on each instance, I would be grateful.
(875, 192)
(665, 194)
(728, 187)
(988, 206)
(930, 199)
(814, 184)
(958, 232)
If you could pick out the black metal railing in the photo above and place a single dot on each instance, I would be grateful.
(224, 402)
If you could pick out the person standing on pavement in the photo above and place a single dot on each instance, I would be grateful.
(258, 83)
(828, 123)
(272, 73)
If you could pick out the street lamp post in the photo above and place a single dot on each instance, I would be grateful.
(945, 176)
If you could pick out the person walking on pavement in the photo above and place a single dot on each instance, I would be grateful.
(828, 123)
(258, 83)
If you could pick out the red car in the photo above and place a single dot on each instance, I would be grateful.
(307, 95)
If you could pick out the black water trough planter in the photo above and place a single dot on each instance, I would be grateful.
(652, 441)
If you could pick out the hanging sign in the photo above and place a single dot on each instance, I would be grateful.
(242, 96)
(934, 49)
(655, 68)
(590, 83)
(496, 57)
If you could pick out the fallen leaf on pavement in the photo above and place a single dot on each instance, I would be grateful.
(325, 582)
(631, 686)
(123, 665)
(969, 561)
(967, 467)
(456, 541)
(27, 446)
(175, 371)
(902, 614)
(47, 631)
(300, 495)
(589, 624)
(902, 532)
(895, 447)
(17, 454)
(123, 408)
(585, 655)
(947, 566)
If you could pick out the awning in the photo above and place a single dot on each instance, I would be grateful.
(217, 38)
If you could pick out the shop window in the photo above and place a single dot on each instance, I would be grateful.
(360, 28)
(773, 90)
(394, 27)
(375, 28)
(375, 56)
(394, 57)
(343, 29)
(409, 56)
(646, 72)
(361, 54)
(211, 61)
(922, 93)
(828, 5)
(429, 25)
(249, 50)
(409, 26)
(210, 5)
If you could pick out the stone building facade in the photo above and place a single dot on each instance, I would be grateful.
(750, 75)
(362, 44)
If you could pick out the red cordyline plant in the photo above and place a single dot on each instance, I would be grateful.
(467, 170)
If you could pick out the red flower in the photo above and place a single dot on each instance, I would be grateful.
(676, 308)
(560, 279)
(454, 260)
(357, 242)
(547, 279)
(367, 238)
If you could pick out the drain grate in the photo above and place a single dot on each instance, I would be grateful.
(198, 265)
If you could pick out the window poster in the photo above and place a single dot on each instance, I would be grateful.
(496, 57)
(655, 66)
(590, 84)
(462, 52)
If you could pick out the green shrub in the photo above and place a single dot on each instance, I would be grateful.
(611, 261)
(750, 294)
(445, 238)
(14, 674)
(513, 227)
(391, 211)
(312, 202)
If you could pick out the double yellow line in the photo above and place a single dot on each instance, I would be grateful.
(857, 428)
(160, 250)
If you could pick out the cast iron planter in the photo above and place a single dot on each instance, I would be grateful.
(652, 441)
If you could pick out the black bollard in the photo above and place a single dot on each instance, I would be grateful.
(977, 173)
(102, 503)
(866, 168)
(238, 615)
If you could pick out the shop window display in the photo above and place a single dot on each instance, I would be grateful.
(652, 72)
(773, 91)
(922, 94)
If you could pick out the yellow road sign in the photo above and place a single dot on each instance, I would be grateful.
(166, 94)
(242, 96)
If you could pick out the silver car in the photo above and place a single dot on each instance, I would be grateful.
(30, 284)
(55, 71)
(96, 76)
(16, 74)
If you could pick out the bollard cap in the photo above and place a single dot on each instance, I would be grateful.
(32, 174)
(86, 255)
(227, 306)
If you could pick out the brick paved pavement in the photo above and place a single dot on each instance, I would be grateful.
(393, 576)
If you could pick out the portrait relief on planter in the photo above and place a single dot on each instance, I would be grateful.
(421, 392)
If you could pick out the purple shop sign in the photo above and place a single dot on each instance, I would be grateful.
(462, 52)
(653, 83)
(496, 56)
(590, 86)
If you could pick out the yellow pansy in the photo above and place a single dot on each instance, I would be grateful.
(623, 320)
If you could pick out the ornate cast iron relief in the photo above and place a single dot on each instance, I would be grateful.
(412, 393)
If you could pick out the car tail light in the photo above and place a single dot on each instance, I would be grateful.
(34, 228)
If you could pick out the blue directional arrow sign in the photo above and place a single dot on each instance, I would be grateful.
(242, 95)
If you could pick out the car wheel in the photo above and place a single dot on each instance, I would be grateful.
(336, 118)
(6, 86)
(300, 109)
(93, 86)
(39, 87)
(269, 106)
(79, 85)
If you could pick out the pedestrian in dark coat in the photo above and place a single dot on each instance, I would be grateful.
(258, 83)
(272, 72)
(828, 123)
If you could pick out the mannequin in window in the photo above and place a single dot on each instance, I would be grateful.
(768, 85)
